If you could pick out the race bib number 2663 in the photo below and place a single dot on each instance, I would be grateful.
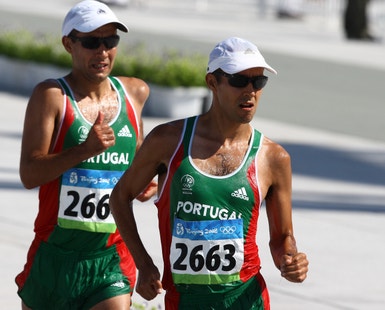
(207, 252)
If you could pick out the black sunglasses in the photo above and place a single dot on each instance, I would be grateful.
(93, 43)
(240, 81)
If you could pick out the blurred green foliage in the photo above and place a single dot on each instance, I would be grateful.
(166, 68)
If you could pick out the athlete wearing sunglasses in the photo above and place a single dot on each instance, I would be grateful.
(95, 42)
(240, 80)
(215, 170)
(74, 128)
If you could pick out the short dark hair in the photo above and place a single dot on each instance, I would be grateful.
(218, 74)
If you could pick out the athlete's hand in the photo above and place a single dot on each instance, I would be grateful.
(100, 137)
(294, 267)
(149, 285)
(148, 192)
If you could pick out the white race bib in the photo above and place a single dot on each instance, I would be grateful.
(206, 252)
(84, 200)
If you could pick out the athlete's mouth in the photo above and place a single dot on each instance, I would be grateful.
(246, 105)
(99, 66)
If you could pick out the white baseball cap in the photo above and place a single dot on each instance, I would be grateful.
(88, 15)
(234, 55)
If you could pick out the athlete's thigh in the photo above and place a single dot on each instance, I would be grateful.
(121, 302)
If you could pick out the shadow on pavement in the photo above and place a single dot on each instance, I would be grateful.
(339, 205)
(361, 167)
(366, 167)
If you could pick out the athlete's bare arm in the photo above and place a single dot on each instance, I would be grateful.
(38, 164)
(152, 159)
(275, 175)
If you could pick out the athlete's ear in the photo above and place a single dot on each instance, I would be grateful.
(211, 81)
(67, 43)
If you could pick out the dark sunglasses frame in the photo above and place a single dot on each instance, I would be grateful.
(240, 81)
(93, 43)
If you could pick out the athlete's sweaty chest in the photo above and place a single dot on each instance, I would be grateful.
(90, 108)
(218, 160)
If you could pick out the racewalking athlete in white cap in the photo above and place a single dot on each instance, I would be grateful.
(80, 134)
(214, 171)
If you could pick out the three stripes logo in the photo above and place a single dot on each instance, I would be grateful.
(125, 132)
(240, 193)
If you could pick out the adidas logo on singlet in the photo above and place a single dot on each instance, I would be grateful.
(119, 284)
(240, 193)
(124, 132)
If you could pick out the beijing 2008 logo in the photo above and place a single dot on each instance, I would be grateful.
(187, 182)
(179, 229)
(73, 179)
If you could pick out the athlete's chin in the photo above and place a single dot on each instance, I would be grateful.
(246, 118)
(100, 77)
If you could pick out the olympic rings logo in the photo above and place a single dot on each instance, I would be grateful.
(228, 229)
